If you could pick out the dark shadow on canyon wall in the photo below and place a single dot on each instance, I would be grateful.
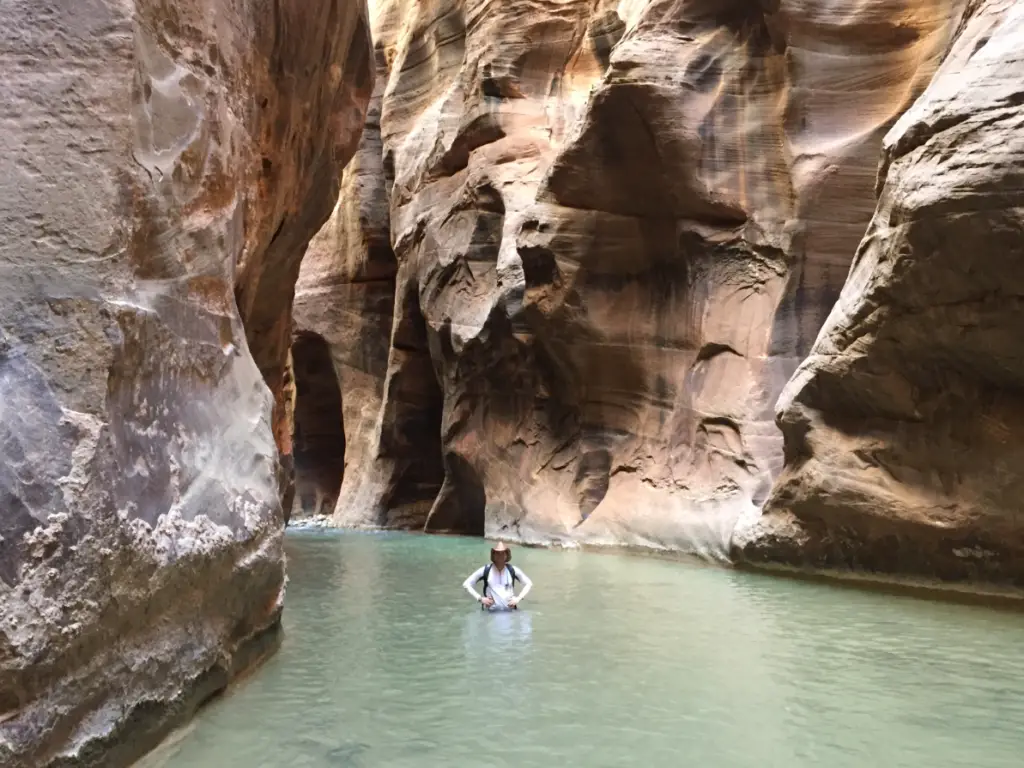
(409, 440)
(318, 437)
(460, 505)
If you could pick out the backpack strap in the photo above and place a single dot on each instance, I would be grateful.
(487, 572)
(512, 573)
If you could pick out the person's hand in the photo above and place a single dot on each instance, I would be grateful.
(487, 602)
(513, 602)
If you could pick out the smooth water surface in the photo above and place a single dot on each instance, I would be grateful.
(613, 661)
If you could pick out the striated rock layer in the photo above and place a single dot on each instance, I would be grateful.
(147, 147)
(903, 428)
(617, 228)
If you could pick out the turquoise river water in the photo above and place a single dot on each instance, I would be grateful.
(614, 660)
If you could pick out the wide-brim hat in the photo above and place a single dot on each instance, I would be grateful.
(500, 547)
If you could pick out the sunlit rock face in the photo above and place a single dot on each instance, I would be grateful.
(147, 147)
(618, 227)
(903, 427)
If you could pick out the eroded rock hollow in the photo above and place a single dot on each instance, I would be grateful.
(152, 153)
(615, 230)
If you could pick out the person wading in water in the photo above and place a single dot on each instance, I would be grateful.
(499, 580)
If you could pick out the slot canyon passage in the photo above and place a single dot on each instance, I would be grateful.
(733, 279)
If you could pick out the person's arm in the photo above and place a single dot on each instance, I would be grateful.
(469, 583)
(527, 586)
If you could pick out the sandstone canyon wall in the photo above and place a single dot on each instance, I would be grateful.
(616, 229)
(903, 427)
(147, 147)
(344, 303)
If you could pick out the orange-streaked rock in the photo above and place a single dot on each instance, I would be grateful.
(902, 427)
(618, 228)
(345, 296)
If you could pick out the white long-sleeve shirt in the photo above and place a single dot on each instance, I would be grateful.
(499, 586)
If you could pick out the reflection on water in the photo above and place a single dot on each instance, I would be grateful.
(612, 661)
(500, 632)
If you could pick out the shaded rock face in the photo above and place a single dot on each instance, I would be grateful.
(902, 428)
(318, 437)
(310, 91)
(617, 228)
(140, 524)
